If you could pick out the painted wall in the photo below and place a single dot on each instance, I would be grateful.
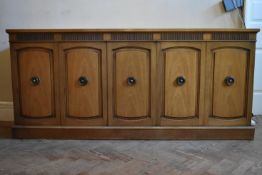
(254, 20)
(103, 14)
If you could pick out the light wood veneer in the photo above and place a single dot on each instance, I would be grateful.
(133, 83)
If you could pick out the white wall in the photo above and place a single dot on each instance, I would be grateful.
(104, 14)
(112, 14)
(254, 20)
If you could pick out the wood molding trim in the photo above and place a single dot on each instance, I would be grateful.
(139, 133)
(61, 35)
(6, 104)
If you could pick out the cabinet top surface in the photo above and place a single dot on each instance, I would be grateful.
(136, 30)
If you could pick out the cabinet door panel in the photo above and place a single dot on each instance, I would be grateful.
(229, 62)
(83, 101)
(35, 63)
(181, 100)
(130, 78)
(34, 66)
(230, 68)
(83, 81)
(132, 101)
(181, 70)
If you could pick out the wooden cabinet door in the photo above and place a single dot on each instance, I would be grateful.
(34, 71)
(181, 79)
(229, 81)
(131, 83)
(84, 97)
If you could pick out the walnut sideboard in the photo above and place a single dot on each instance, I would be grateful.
(133, 83)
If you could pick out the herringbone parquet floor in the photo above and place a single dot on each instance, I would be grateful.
(55, 157)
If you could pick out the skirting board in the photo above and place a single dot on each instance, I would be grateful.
(138, 133)
(6, 111)
(6, 129)
(6, 119)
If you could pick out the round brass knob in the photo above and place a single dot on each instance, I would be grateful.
(35, 80)
(83, 81)
(180, 80)
(131, 81)
(229, 80)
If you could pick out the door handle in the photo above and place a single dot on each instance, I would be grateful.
(131, 81)
(229, 80)
(180, 80)
(35, 80)
(83, 81)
